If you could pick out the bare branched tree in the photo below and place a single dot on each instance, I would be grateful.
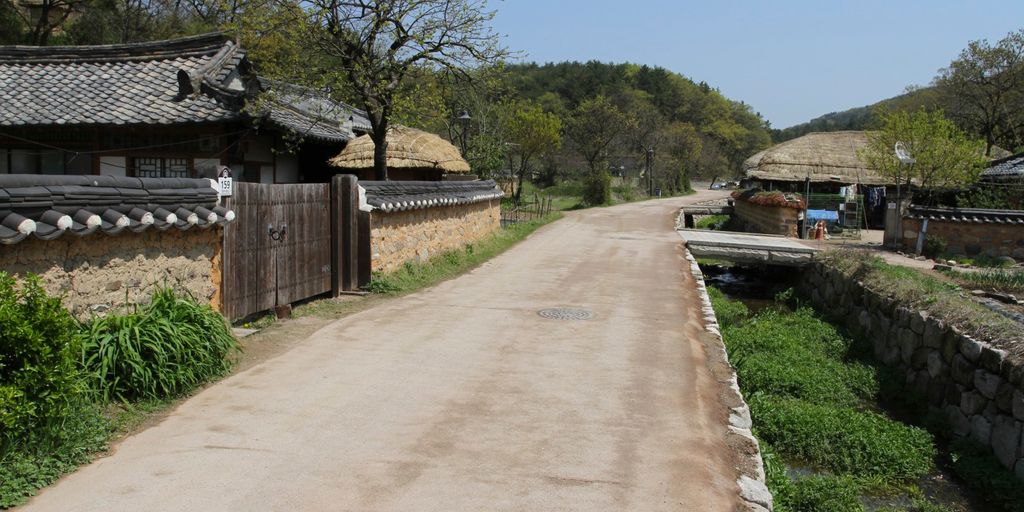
(376, 43)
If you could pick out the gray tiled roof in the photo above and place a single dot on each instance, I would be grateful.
(312, 114)
(48, 207)
(1005, 169)
(392, 196)
(196, 79)
(972, 215)
(138, 83)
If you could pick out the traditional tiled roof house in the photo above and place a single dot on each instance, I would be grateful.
(176, 108)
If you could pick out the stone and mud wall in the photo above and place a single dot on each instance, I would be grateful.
(975, 386)
(773, 220)
(969, 238)
(397, 237)
(99, 272)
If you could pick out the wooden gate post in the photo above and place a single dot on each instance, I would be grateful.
(344, 233)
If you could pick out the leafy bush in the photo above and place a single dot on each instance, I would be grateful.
(597, 189)
(712, 222)
(165, 348)
(39, 350)
(777, 332)
(933, 246)
(843, 440)
(728, 312)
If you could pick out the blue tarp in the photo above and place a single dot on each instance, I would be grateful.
(822, 215)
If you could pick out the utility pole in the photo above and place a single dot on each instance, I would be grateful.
(650, 172)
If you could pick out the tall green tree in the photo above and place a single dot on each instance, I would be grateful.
(376, 44)
(983, 90)
(945, 156)
(533, 134)
(594, 126)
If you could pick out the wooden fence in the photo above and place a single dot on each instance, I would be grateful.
(526, 211)
(289, 243)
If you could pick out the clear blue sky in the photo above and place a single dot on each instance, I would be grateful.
(791, 60)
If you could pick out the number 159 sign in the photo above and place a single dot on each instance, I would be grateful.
(224, 182)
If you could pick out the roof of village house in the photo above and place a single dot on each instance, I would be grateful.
(1006, 169)
(407, 148)
(198, 79)
(972, 215)
(824, 156)
(48, 207)
(310, 113)
(392, 196)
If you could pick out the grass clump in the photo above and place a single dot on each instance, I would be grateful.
(824, 493)
(414, 276)
(165, 348)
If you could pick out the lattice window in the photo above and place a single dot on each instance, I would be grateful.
(156, 167)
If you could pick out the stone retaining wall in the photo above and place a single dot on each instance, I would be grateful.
(98, 272)
(416, 235)
(773, 220)
(975, 386)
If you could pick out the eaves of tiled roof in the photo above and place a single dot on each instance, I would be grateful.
(968, 215)
(391, 196)
(48, 207)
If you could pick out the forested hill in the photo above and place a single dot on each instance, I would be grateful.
(728, 131)
(860, 118)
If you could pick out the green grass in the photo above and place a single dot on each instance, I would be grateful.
(728, 312)
(843, 440)
(979, 468)
(998, 279)
(50, 451)
(810, 397)
(714, 222)
(414, 276)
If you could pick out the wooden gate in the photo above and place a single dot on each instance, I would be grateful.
(278, 250)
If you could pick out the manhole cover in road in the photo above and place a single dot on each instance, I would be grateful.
(566, 314)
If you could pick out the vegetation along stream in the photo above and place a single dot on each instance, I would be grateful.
(834, 431)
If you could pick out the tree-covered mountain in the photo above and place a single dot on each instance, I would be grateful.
(660, 105)
(862, 118)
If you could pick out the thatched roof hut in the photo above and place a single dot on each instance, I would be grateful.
(824, 156)
(412, 154)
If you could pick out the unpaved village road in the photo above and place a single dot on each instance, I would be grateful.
(462, 398)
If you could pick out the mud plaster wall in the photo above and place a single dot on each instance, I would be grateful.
(772, 220)
(417, 235)
(969, 238)
(98, 272)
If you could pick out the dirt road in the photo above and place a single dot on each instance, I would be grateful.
(463, 398)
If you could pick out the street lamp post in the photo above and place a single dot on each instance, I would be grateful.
(463, 121)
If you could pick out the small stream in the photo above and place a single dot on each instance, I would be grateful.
(757, 287)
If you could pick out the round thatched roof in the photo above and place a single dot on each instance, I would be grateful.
(408, 148)
(825, 156)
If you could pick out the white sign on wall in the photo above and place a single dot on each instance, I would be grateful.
(224, 182)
